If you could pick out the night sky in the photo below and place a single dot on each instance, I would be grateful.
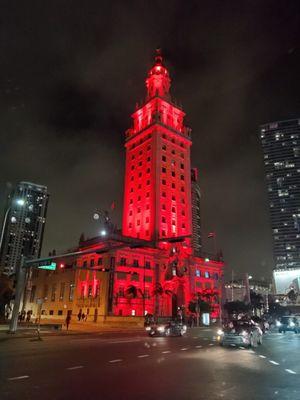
(72, 71)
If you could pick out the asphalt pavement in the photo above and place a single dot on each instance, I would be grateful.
(133, 366)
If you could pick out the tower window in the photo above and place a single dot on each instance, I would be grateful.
(163, 194)
(148, 170)
(173, 222)
(132, 167)
(163, 232)
(182, 189)
(173, 185)
(140, 163)
(163, 207)
(163, 181)
(164, 170)
(148, 182)
(181, 155)
(130, 213)
(139, 209)
(182, 177)
(182, 201)
(182, 166)
(148, 159)
(173, 209)
(130, 201)
(182, 212)
(173, 198)
(164, 147)
(141, 152)
(173, 151)
(147, 206)
(147, 194)
(133, 157)
(173, 173)
(183, 226)
(163, 219)
(164, 158)
(149, 147)
(131, 190)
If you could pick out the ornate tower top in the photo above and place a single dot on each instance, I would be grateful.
(158, 81)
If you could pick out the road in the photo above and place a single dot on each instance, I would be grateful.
(133, 366)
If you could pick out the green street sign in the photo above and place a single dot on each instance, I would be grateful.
(51, 267)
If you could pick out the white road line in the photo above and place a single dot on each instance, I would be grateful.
(261, 356)
(273, 362)
(183, 349)
(166, 351)
(198, 347)
(143, 355)
(116, 360)
(290, 371)
(76, 367)
(15, 378)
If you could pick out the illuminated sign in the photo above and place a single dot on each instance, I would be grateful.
(287, 279)
(51, 266)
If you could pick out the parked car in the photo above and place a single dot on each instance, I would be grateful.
(240, 333)
(170, 328)
(289, 323)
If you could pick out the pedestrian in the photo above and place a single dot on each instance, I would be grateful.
(68, 320)
(83, 316)
(28, 316)
(79, 315)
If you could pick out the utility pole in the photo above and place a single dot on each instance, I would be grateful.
(18, 297)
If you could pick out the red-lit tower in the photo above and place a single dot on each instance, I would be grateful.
(157, 193)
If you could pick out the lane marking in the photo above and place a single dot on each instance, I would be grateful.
(261, 356)
(166, 351)
(273, 362)
(76, 367)
(15, 378)
(290, 371)
(198, 347)
(183, 349)
(143, 355)
(116, 360)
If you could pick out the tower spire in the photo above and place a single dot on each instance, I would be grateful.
(158, 81)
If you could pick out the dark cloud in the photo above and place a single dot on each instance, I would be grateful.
(71, 73)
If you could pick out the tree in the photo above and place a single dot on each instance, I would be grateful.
(292, 295)
(6, 293)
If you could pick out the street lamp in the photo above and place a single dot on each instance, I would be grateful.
(103, 232)
(20, 202)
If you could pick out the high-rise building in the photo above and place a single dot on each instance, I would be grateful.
(23, 225)
(157, 194)
(196, 215)
(281, 147)
(151, 267)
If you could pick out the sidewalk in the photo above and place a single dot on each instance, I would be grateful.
(75, 328)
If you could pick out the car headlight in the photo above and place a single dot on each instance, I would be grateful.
(278, 323)
(220, 332)
(148, 328)
(184, 328)
(292, 323)
(161, 328)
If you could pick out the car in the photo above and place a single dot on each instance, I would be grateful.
(170, 328)
(289, 323)
(240, 333)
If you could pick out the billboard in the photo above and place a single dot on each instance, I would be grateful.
(287, 279)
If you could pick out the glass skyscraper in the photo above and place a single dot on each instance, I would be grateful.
(281, 147)
(23, 225)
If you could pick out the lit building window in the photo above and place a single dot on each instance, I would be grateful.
(206, 274)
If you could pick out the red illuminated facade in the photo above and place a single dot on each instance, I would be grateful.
(157, 194)
(157, 276)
